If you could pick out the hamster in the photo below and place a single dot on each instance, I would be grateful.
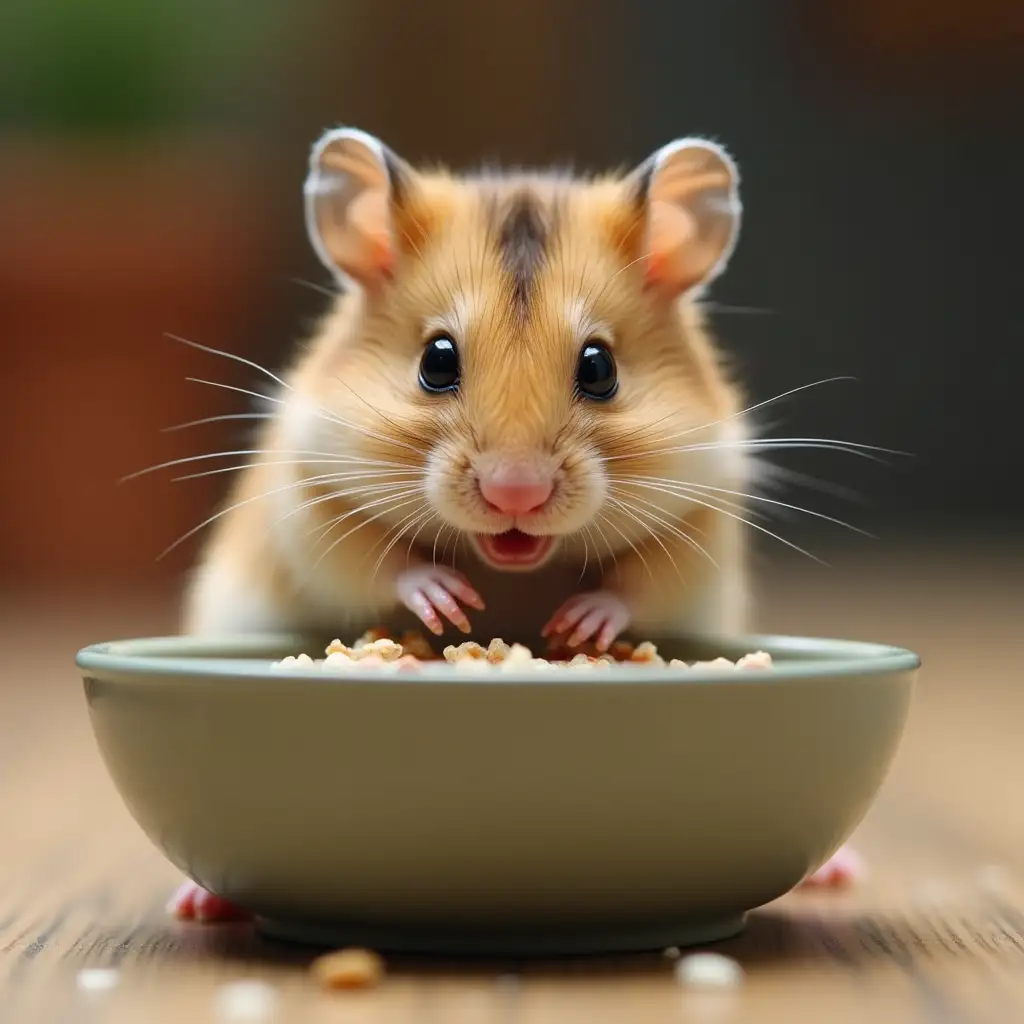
(515, 379)
(513, 419)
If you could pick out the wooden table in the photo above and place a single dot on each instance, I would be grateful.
(935, 934)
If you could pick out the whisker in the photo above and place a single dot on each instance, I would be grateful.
(418, 515)
(718, 307)
(323, 530)
(632, 515)
(259, 395)
(359, 526)
(363, 490)
(666, 480)
(586, 556)
(754, 526)
(324, 413)
(453, 539)
(611, 522)
(764, 444)
(299, 462)
(437, 537)
(783, 394)
(220, 419)
(364, 431)
(736, 415)
(611, 550)
(691, 542)
(224, 511)
(328, 456)
(460, 538)
(781, 504)
(394, 528)
(682, 489)
(229, 355)
(773, 474)
(597, 551)
(331, 293)
(321, 412)
(412, 539)
(377, 412)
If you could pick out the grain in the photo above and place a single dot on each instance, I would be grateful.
(348, 969)
(709, 971)
(375, 649)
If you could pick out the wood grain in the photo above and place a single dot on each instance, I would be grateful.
(936, 933)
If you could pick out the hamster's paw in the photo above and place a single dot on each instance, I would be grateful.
(193, 903)
(599, 613)
(428, 589)
(842, 869)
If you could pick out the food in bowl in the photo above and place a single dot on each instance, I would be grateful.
(378, 649)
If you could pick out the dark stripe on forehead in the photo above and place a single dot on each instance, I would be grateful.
(522, 241)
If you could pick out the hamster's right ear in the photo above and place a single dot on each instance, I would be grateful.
(354, 185)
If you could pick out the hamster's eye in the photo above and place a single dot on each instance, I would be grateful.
(595, 375)
(439, 365)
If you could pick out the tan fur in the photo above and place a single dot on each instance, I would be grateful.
(358, 377)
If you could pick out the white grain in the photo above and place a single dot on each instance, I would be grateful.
(97, 979)
(249, 1000)
(709, 971)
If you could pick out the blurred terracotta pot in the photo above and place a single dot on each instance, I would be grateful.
(102, 250)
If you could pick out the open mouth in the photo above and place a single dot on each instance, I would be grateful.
(514, 548)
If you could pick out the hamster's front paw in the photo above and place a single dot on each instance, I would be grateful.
(193, 903)
(600, 612)
(428, 589)
(843, 868)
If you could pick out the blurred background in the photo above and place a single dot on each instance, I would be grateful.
(152, 154)
(151, 162)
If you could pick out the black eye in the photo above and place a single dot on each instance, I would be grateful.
(439, 367)
(595, 375)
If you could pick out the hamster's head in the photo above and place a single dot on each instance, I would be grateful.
(525, 347)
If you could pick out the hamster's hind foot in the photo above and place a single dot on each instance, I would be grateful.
(842, 869)
(193, 903)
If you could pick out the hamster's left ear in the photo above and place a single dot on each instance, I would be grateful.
(688, 194)
(352, 193)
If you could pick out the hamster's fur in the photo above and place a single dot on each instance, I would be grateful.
(373, 496)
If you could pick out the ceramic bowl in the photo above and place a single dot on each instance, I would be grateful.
(516, 814)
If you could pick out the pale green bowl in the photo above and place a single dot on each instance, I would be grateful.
(515, 815)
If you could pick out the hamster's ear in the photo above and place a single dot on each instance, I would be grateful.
(688, 195)
(351, 191)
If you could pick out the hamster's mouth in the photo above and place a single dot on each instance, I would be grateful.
(513, 549)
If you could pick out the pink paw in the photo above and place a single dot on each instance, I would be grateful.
(599, 612)
(193, 903)
(428, 589)
(842, 869)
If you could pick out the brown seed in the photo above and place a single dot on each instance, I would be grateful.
(348, 969)
(621, 650)
(416, 644)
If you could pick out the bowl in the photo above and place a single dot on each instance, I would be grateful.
(519, 814)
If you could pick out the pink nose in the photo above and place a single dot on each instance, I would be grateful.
(515, 498)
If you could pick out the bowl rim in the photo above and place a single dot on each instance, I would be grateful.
(225, 657)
